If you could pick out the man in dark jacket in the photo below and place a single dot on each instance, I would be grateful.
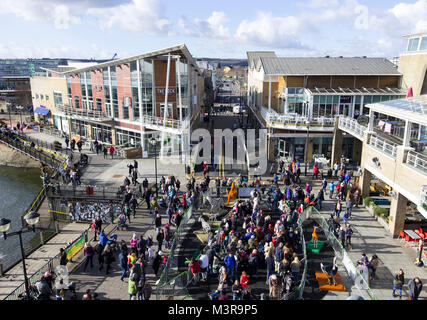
(415, 286)
(98, 250)
(269, 261)
(123, 264)
(63, 260)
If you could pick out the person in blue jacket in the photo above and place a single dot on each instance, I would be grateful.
(103, 238)
(230, 264)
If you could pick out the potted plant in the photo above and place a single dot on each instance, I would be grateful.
(369, 204)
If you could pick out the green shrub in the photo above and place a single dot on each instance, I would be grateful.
(367, 201)
(382, 212)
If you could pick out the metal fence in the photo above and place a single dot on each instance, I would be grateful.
(167, 284)
(48, 266)
(37, 153)
(360, 282)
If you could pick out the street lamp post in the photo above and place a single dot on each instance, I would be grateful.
(20, 108)
(306, 147)
(32, 219)
(153, 142)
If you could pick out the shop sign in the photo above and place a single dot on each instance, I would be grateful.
(162, 91)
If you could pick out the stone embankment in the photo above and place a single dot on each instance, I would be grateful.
(12, 158)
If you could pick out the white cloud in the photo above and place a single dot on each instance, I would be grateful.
(212, 27)
(270, 31)
(411, 16)
(23, 50)
(38, 10)
(144, 16)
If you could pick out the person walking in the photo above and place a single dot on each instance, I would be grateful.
(348, 235)
(79, 145)
(104, 151)
(88, 252)
(399, 279)
(156, 262)
(111, 150)
(98, 250)
(195, 270)
(123, 264)
(415, 286)
(108, 258)
(269, 261)
(158, 222)
(331, 187)
(160, 238)
(295, 268)
(338, 208)
(373, 265)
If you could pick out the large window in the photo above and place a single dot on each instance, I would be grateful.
(113, 75)
(115, 103)
(57, 98)
(125, 107)
(147, 80)
(182, 68)
(135, 104)
(423, 45)
(133, 73)
(77, 102)
(413, 44)
(98, 105)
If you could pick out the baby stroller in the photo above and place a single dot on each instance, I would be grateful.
(121, 224)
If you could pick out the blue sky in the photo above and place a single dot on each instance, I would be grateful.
(224, 29)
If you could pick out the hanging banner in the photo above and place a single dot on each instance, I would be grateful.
(74, 249)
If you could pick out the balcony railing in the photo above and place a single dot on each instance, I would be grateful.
(169, 123)
(352, 125)
(384, 145)
(84, 113)
(417, 160)
(294, 119)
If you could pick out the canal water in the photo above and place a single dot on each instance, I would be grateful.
(18, 188)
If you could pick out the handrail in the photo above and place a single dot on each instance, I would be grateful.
(47, 266)
(383, 145)
(417, 160)
(353, 271)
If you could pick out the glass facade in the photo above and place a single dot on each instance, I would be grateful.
(128, 138)
(182, 66)
(146, 69)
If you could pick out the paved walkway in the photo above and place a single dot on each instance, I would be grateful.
(110, 286)
(370, 238)
(15, 276)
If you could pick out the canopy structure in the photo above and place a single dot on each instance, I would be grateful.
(42, 110)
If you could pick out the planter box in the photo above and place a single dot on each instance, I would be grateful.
(383, 223)
(371, 210)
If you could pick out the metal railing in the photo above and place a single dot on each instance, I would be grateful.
(48, 266)
(169, 123)
(384, 145)
(295, 120)
(166, 285)
(37, 153)
(84, 113)
(359, 281)
(417, 160)
(352, 125)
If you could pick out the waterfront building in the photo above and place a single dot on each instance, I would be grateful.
(123, 101)
(296, 99)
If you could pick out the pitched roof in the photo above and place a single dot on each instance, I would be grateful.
(328, 66)
(253, 56)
